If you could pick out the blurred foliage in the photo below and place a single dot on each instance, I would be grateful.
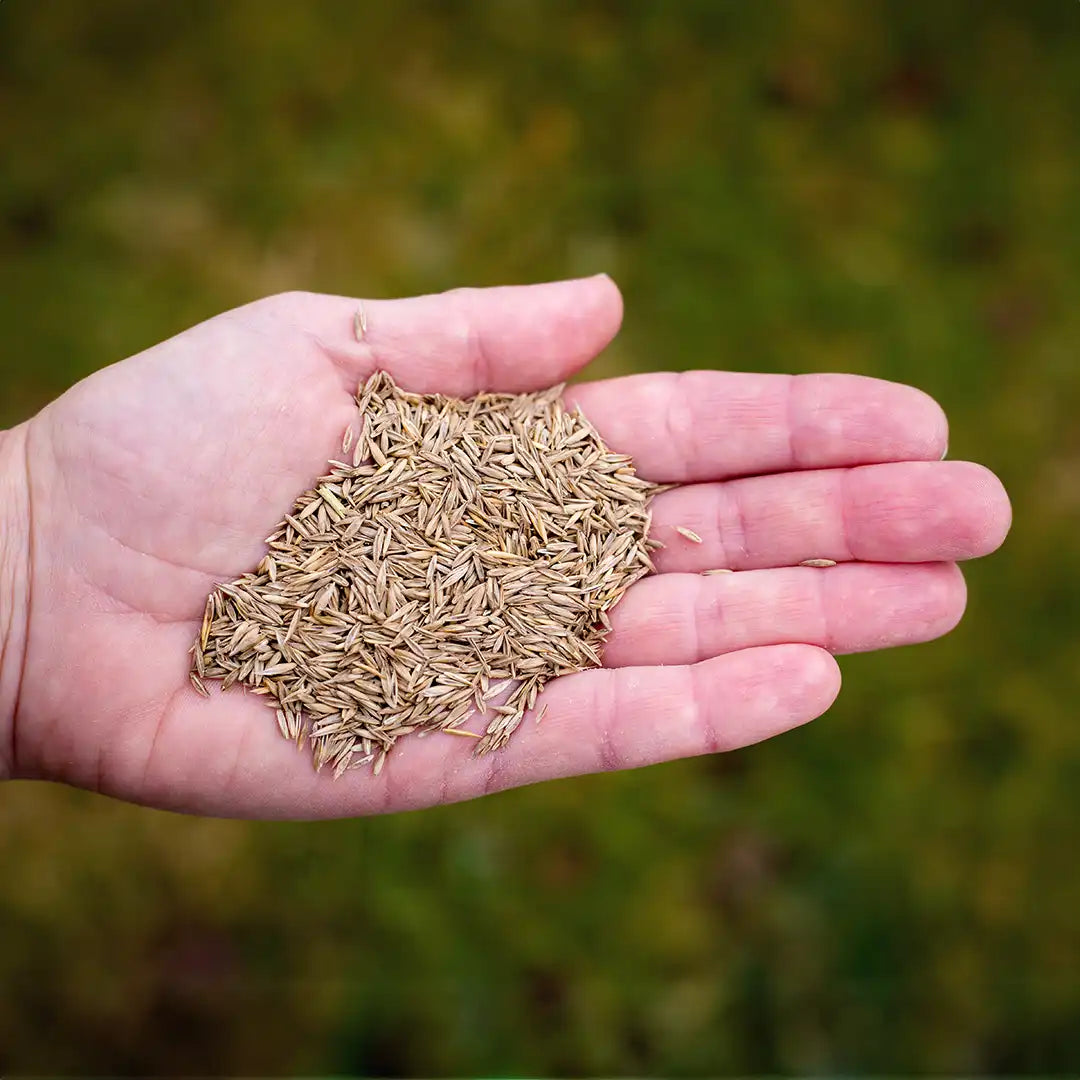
(861, 186)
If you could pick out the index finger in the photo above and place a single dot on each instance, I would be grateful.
(713, 425)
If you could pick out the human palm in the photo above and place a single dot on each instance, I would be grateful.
(156, 478)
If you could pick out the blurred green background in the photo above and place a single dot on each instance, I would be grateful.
(885, 188)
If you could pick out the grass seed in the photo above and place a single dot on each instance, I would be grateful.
(468, 555)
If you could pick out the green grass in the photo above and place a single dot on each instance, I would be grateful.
(785, 186)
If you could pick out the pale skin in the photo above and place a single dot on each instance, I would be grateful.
(125, 500)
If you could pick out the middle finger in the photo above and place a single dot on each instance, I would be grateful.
(908, 512)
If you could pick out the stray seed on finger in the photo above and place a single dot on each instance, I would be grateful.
(818, 562)
(688, 533)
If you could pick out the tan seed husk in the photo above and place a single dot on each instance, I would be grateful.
(468, 554)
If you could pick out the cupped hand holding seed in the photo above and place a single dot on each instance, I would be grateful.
(128, 499)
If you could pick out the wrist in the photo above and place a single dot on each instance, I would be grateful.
(14, 585)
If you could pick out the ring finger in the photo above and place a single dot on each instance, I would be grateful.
(686, 618)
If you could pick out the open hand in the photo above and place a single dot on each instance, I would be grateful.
(145, 484)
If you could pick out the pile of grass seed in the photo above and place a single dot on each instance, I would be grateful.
(467, 554)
